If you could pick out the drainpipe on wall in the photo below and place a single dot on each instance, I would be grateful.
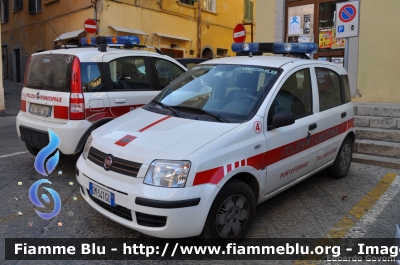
(198, 29)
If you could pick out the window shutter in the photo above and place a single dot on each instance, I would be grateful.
(32, 6)
(5, 10)
(246, 9)
(17, 4)
(38, 5)
(251, 5)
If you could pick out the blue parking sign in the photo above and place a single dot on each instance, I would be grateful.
(340, 29)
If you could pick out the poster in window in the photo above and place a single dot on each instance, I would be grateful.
(294, 25)
(307, 24)
(338, 60)
(338, 43)
(293, 39)
(305, 38)
(325, 39)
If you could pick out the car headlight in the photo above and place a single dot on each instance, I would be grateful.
(87, 147)
(168, 173)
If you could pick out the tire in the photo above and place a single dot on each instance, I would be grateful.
(232, 212)
(342, 162)
(34, 151)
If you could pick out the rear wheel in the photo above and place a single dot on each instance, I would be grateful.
(342, 162)
(34, 151)
(232, 212)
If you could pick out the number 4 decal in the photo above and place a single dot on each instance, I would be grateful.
(257, 127)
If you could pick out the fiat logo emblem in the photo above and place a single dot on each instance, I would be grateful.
(107, 162)
(37, 95)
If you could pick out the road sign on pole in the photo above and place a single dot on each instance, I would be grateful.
(347, 14)
(239, 33)
(90, 26)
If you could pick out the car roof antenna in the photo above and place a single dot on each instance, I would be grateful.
(65, 46)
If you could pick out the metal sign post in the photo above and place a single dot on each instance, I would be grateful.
(347, 23)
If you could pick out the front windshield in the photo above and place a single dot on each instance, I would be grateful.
(228, 93)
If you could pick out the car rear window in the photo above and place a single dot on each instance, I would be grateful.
(49, 72)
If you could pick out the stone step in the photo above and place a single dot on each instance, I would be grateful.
(377, 109)
(381, 161)
(387, 135)
(377, 122)
(380, 148)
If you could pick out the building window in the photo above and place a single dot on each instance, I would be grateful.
(248, 10)
(209, 5)
(188, 2)
(4, 11)
(17, 5)
(222, 52)
(35, 6)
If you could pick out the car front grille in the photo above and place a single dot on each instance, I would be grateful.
(119, 165)
(117, 210)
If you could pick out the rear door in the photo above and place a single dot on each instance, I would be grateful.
(46, 92)
(132, 83)
(335, 112)
(94, 76)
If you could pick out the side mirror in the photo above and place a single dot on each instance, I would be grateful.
(280, 120)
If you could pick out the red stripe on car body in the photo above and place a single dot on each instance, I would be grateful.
(61, 112)
(154, 123)
(275, 155)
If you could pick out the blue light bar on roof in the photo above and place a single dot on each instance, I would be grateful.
(275, 47)
(115, 40)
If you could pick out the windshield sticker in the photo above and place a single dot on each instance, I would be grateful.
(256, 69)
(45, 60)
(203, 67)
(219, 73)
(69, 59)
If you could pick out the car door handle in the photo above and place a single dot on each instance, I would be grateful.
(312, 126)
(344, 114)
(120, 100)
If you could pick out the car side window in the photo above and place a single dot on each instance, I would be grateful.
(329, 92)
(91, 78)
(167, 71)
(129, 73)
(294, 96)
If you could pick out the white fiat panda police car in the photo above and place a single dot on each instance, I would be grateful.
(74, 91)
(223, 137)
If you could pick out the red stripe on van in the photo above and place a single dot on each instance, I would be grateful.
(61, 112)
(154, 123)
(212, 176)
(23, 105)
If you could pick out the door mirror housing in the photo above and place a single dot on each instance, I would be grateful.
(281, 120)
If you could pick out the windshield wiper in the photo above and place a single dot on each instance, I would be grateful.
(167, 107)
(35, 86)
(203, 111)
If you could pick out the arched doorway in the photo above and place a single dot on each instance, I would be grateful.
(207, 53)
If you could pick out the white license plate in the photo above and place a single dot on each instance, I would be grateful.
(101, 194)
(40, 110)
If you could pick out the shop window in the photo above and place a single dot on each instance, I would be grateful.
(209, 5)
(17, 5)
(35, 6)
(4, 11)
(248, 10)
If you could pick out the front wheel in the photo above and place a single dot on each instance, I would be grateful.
(232, 212)
(342, 162)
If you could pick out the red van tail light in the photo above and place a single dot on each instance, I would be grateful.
(76, 99)
(26, 71)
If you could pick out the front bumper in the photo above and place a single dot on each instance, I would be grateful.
(149, 209)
